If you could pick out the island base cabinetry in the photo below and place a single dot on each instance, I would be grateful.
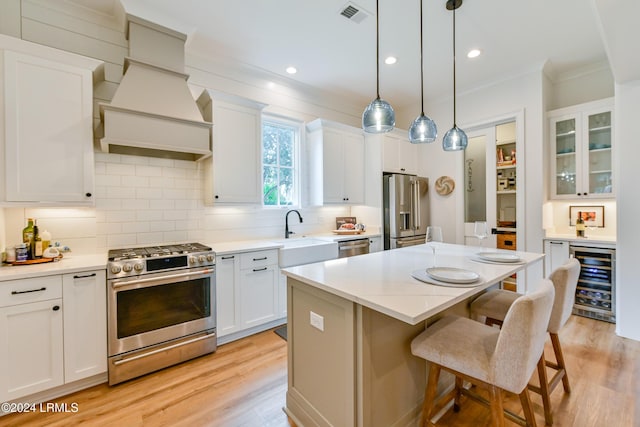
(352, 366)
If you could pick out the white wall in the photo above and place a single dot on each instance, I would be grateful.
(627, 105)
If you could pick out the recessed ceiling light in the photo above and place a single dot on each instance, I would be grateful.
(390, 60)
(271, 85)
(474, 53)
(292, 70)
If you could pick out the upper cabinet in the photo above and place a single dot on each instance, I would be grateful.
(46, 147)
(336, 163)
(398, 154)
(582, 141)
(234, 175)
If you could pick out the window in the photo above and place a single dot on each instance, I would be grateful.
(280, 142)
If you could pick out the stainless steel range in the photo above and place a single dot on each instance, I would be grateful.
(161, 307)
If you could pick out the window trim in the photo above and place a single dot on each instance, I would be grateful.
(297, 157)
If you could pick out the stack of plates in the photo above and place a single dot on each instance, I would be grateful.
(500, 257)
(447, 276)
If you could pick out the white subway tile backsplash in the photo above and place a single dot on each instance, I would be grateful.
(149, 215)
(121, 193)
(149, 193)
(121, 240)
(175, 236)
(161, 225)
(163, 204)
(153, 161)
(120, 169)
(150, 238)
(144, 170)
(120, 216)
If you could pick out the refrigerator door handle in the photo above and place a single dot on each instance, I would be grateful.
(416, 204)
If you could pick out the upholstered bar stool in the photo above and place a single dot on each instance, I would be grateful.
(496, 359)
(493, 305)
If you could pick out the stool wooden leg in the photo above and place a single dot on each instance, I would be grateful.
(430, 395)
(526, 407)
(456, 401)
(497, 410)
(557, 349)
(544, 390)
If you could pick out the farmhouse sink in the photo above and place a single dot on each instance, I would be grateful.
(305, 250)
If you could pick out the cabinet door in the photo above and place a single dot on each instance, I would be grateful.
(258, 288)
(556, 254)
(399, 155)
(597, 170)
(49, 131)
(85, 324)
(353, 177)
(375, 244)
(31, 348)
(236, 154)
(566, 153)
(227, 301)
(333, 167)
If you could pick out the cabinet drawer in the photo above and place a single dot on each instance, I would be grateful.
(24, 291)
(506, 241)
(258, 259)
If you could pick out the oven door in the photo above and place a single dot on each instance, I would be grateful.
(156, 308)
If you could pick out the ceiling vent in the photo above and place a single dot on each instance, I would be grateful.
(354, 13)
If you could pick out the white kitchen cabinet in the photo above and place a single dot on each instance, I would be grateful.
(47, 143)
(581, 141)
(336, 163)
(398, 154)
(31, 336)
(375, 244)
(259, 279)
(227, 289)
(85, 324)
(235, 171)
(556, 253)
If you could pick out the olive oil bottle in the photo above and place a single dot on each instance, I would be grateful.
(27, 237)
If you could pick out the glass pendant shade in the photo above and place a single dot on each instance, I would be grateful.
(378, 117)
(422, 130)
(454, 140)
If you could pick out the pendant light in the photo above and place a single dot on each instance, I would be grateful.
(455, 139)
(379, 116)
(423, 129)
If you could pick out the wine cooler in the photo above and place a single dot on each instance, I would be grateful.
(595, 293)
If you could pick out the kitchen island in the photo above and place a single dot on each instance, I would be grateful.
(351, 322)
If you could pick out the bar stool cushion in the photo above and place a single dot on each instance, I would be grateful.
(493, 304)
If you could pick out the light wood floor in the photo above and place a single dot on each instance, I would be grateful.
(244, 383)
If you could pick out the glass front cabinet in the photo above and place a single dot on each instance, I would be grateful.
(581, 151)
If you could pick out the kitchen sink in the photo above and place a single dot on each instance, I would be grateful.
(305, 250)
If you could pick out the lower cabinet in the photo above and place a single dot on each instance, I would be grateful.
(247, 291)
(85, 324)
(52, 332)
(556, 253)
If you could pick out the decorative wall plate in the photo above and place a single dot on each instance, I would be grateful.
(445, 185)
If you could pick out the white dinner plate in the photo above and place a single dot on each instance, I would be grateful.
(498, 257)
(452, 275)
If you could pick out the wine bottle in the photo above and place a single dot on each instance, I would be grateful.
(27, 237)
(580, 227)
(37, 242)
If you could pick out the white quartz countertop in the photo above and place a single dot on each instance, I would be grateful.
(382, 281)
(608, 241)
(223, 248)
(68, 264)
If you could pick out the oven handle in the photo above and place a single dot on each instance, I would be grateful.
(116, 285)
(160, 350)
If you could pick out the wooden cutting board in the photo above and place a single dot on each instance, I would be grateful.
(35, 261)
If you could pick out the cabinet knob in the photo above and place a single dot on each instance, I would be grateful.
(56, 307)
(402, 169)
(216, 196)
(88, 194)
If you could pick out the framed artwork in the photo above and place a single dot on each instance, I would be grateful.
(593, 216)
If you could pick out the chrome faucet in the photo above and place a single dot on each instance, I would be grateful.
(286, 223)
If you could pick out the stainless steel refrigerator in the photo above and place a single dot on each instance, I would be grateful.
(406, 210)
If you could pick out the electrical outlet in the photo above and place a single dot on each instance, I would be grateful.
(316, 321)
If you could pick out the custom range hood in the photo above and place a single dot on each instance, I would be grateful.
(153, 112)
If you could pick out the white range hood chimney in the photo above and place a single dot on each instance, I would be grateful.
(153, 112)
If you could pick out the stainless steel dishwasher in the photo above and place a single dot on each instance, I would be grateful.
(347, 248)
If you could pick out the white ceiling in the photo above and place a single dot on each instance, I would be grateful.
(333, 53)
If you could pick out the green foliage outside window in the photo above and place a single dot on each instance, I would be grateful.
(278, 163)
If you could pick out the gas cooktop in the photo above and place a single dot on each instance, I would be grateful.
(156, 251)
